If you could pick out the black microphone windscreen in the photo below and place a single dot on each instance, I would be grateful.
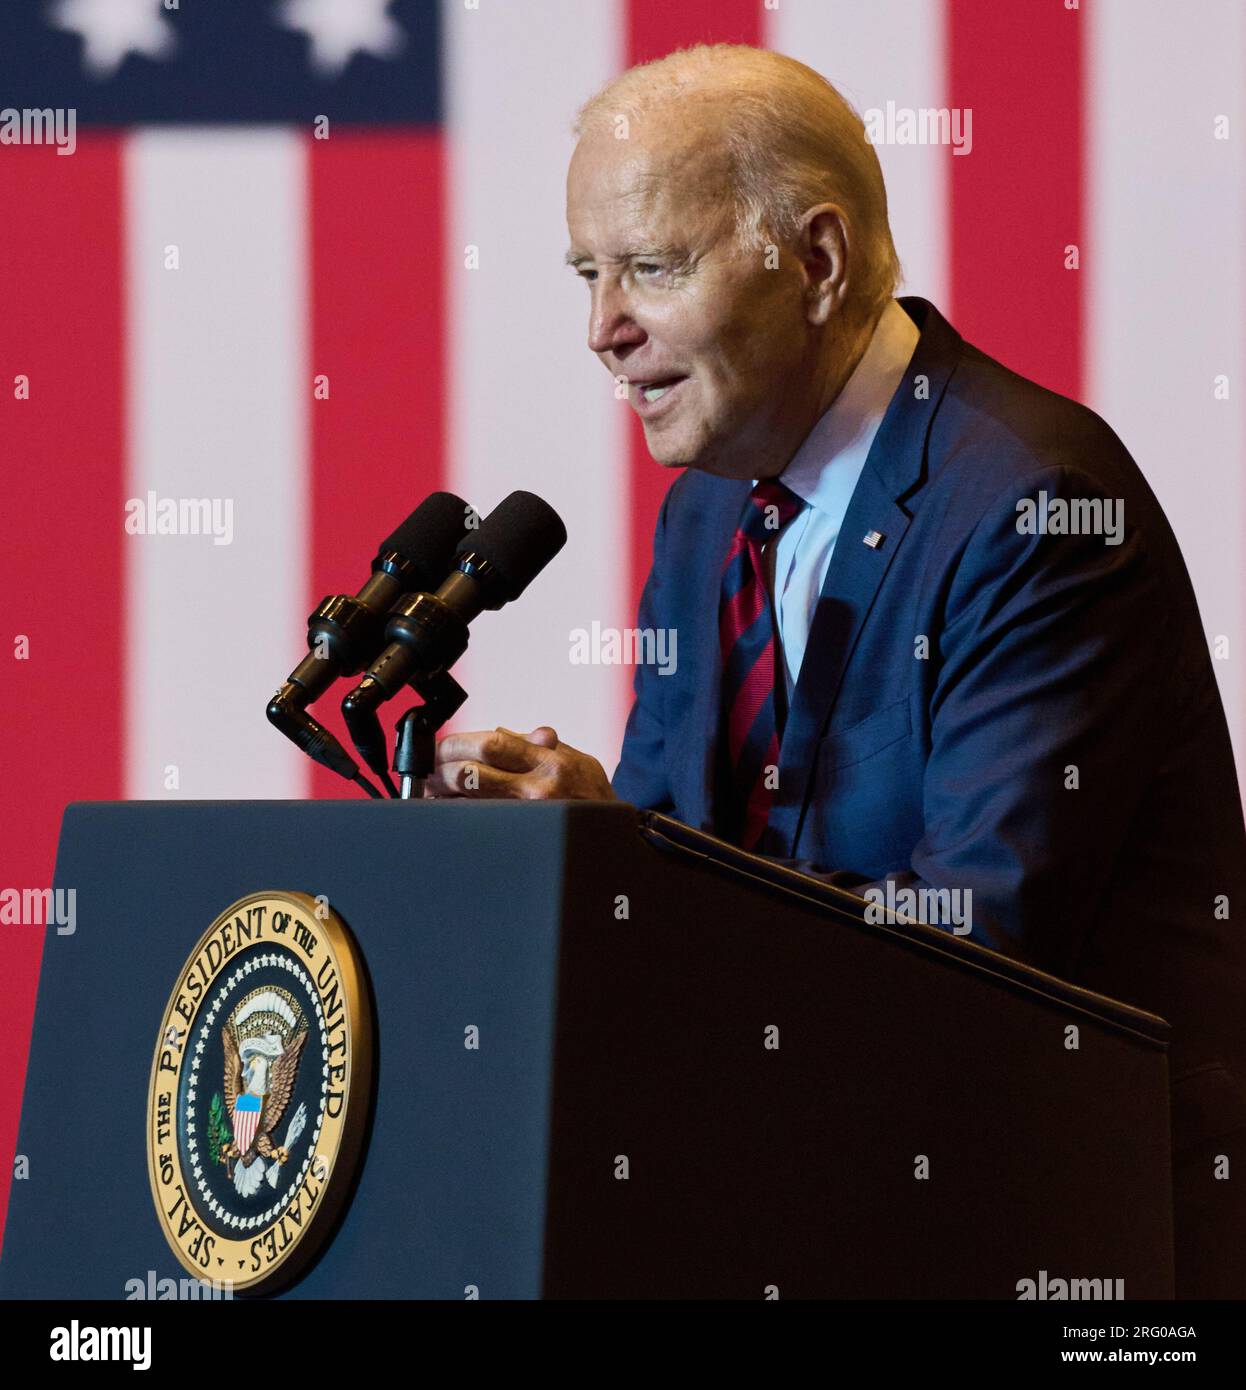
(428, 537)
(518, 538)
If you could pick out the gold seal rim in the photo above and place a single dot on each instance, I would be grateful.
(338, 1183)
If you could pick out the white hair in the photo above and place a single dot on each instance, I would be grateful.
(790, 139)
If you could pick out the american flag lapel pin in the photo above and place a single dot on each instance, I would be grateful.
(873, 539)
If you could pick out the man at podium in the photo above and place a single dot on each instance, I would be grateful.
(935, 631)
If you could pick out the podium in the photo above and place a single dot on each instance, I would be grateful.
(699, 1074)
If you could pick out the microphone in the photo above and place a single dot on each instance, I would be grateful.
(427, 632)
(346, 632)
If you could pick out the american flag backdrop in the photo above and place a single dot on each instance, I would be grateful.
(306, 259)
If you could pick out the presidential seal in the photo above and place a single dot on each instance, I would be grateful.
(259, 1091)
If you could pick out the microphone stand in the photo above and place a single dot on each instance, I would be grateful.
(415, 745)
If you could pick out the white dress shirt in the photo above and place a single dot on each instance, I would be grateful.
(824, 472)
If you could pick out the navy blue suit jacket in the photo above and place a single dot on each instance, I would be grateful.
(954, 677)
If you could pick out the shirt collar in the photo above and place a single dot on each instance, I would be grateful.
(830, 460)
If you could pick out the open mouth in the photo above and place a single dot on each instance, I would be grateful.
(649, 394)
(659, 389)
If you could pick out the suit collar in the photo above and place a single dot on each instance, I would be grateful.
(827, 465)
(898, 455)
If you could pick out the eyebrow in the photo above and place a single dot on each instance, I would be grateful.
(576, 258)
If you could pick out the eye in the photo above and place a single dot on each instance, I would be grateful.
(642, 266)
(586, 275)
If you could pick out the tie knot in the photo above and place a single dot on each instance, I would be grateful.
(770, 507)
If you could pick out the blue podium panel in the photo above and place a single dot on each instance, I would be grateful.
(451, 1191)
(699, 1074)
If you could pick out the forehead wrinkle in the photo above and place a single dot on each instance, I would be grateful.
(683, 184)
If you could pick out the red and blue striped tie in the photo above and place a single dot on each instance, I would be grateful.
(746, 632)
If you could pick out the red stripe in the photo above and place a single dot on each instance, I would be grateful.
(754, 690)
(61, 561)
(245, 1124)
(1017, 199)
(653, 29)
(742, 610)
(757, 812)
(377, 332)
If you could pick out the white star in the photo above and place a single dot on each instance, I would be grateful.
(338, 29)
(112, 29)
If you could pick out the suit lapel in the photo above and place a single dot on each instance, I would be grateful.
(715, 505)
(894, 468)
(852, 581)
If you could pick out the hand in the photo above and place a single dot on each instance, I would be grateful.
(502, 763)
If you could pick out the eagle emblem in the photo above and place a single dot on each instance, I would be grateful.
(263, 1041)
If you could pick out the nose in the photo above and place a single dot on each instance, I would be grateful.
(610, 322)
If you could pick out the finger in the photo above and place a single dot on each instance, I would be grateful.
(498, 748)
(453, 748)
(543, 736)
(470, 778)
(435, 785)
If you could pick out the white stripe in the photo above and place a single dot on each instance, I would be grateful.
(885, 50)
(530, 406)
(1167, 284)
(218, 389)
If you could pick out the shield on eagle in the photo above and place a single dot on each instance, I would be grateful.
(262, 1040)
(247, 1110)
